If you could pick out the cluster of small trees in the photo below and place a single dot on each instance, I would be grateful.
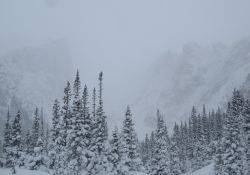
(77, 143)
(222, 137)
(24, 148)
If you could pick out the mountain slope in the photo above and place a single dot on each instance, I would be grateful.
(33, 77)
(198, 75)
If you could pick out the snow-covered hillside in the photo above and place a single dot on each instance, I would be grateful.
(33, 76)
(197, 75)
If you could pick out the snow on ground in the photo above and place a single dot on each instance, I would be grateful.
(22, 172)
(139, 173)
(208, 170)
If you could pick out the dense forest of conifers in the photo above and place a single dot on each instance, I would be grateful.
(79, 142)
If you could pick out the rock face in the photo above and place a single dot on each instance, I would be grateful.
(198, 75)
(33, 77)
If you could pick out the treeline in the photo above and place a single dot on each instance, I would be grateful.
(219, 137)
(77, 142)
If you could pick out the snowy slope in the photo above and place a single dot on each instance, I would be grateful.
(198, 75)
(29, 172)
(208, 170)
(22, 172)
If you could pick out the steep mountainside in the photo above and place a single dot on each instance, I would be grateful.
(33, 77)
(198, 75)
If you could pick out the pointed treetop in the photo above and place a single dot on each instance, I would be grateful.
(100, 76)
(8, 114)
(128, 111)
(204, 110)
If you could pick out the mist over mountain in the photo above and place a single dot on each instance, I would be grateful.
(33, 77)
(198, 75)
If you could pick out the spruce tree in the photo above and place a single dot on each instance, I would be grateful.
(35, 129)
(115, 156)
(74, 135)
(37, 160)
(160, 164)
(146, 152)
(246, 125)
(87, 132)
(61, 160)
(175, 152)
(100, 136)
(233, 149)
(15, 142)
(54, 135)
(131, 158)
(205, 126)
(7, 139)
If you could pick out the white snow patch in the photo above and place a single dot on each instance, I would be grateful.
(21, 172)
(208, 170)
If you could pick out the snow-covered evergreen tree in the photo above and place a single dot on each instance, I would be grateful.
(7, 139)
(54, 134)
(131, 158)
(100, 136)
(146, 152)
(175, 152)
(232, 145)
(60, 165)
(37, 158)
(87, 132)
(115, 155)
(160, 164)
(246, 125)
(15, 140)
(75, 134)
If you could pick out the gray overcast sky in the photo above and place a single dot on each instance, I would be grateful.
(122, 38)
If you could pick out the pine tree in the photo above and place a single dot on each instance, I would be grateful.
(183, 147)
(205, 126)
(7, 139)
(199, 153)
(190, 145)
(37, 156)
(87, 127)
(146, 152)
(35, 129)
(100, 136)
(115, 156)
(233, 149)
(246, 125)
(61, 161)
(193, 125)
(15, 141)
(160, 164)
(74, 137)
(218, 124)
(175, 151)
(94, 104)
(54, 134)
(129, 144)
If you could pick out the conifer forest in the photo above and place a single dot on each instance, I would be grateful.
(135, 87)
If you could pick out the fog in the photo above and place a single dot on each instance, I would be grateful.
(121, 38)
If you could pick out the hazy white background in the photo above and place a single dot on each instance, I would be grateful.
(122, 38)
